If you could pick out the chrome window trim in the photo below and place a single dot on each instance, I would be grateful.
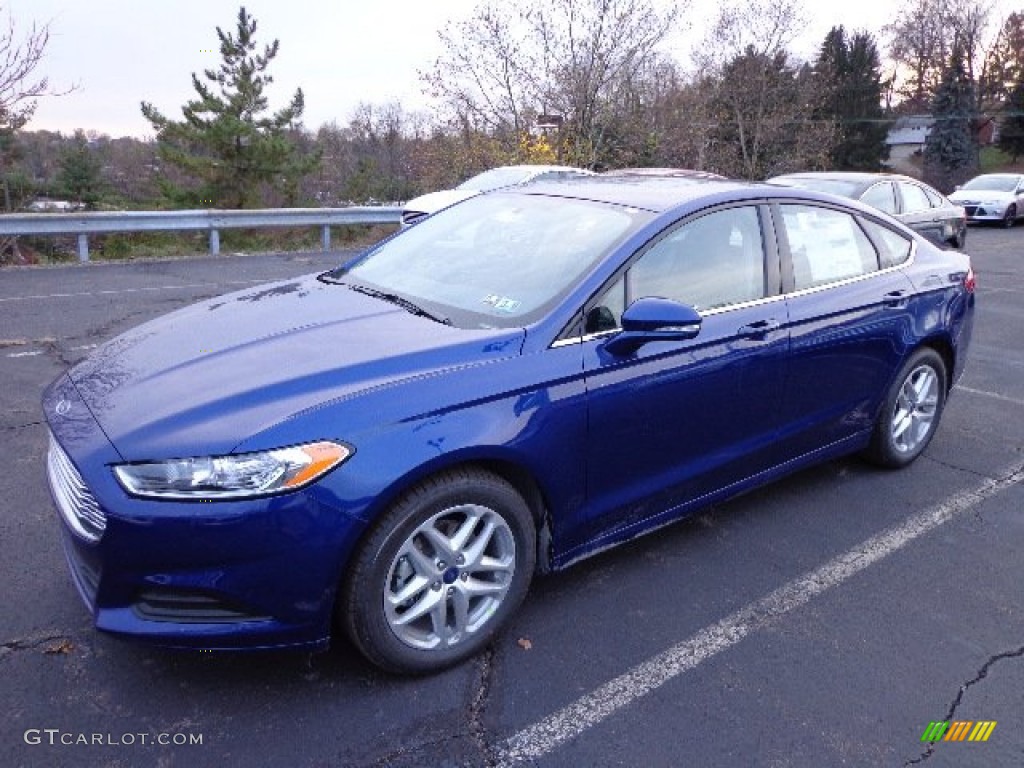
(757, 302)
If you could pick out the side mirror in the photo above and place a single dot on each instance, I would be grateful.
(654, 319)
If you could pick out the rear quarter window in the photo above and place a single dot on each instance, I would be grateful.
(893, 248)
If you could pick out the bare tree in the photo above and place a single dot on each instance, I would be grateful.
(922, 38)
(19, 58)
(762, 105)
(583, 60)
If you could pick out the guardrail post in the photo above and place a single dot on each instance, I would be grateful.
(214, 242)
(325, 237)
(83, 247)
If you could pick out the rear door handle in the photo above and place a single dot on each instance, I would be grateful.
(895, 299)
(758, 330)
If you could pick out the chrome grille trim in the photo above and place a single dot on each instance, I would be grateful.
(76, 503)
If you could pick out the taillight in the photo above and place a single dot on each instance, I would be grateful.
(969, 279)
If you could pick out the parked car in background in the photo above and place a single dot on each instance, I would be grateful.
(675, 173)
(917, 205)
(496, 178)
(994, 197)
(393, 448)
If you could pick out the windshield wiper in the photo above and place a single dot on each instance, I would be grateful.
(400, 301)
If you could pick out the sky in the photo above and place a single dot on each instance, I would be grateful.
(117, 53)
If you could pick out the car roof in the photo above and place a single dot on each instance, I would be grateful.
(865, 177)
(538, 168)
(662, 193)
(675, 172)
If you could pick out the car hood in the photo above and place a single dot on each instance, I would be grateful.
(202, 379)
(435, 201)
(967, 195)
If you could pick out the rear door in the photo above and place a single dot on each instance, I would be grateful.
(848, 307)
(918, 213)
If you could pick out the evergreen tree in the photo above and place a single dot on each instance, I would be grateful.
(950, 151)
(848, 73)
(227, 147)
(79, 177)
(1011, 132)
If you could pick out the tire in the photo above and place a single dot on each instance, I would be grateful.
(911, 412)
(415, 598)
(1010, 218)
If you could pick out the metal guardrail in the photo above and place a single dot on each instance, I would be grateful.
(106, 222)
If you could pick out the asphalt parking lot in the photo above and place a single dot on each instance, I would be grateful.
(825, 620)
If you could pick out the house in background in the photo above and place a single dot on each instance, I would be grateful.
(907, 135)
(906, 139)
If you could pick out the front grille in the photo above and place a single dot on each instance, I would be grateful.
(76, 503)
(970, 209)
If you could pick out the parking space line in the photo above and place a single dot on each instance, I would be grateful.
(993, 395)
(130, 290)
(593, 708)
(32, 353)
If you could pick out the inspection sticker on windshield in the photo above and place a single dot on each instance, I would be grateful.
(501, 303)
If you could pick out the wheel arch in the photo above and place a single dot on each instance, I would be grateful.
(945, 350)
(522, 480)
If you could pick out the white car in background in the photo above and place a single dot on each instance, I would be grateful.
(997, 197)
(496, 178)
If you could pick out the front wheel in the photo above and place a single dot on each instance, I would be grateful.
(440, 573)
(911, 412)
(1010, 217)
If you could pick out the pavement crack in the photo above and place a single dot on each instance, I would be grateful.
(403, 752)
(982, 674)
(477, 729)
(22, 426)
(33, 641)
(968, 470)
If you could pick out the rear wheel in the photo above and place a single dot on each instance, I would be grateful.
(911, 412)
(440, 573)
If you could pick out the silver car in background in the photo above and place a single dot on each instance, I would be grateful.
(496, 178)
(995, 197)
(919, 206)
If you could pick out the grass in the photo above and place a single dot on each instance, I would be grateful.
(994, 160)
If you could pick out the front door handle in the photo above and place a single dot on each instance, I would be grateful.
(758, 330)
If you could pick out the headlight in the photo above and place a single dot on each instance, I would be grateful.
(233, 476)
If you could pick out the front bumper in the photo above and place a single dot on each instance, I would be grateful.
(984, 212)
(258, 573)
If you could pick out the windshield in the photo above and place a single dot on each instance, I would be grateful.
(840, 187)
(497, 178)
(497, 260)
(993, 183)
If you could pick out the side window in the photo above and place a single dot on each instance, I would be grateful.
(893, 247)
(880, 196)
(607, 311)
(914, 198)
(826, 245)
(934, 198)
(709, 262)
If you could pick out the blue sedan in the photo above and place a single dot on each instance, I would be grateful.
(394, 448)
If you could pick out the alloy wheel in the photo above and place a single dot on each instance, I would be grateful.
(449, 577)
